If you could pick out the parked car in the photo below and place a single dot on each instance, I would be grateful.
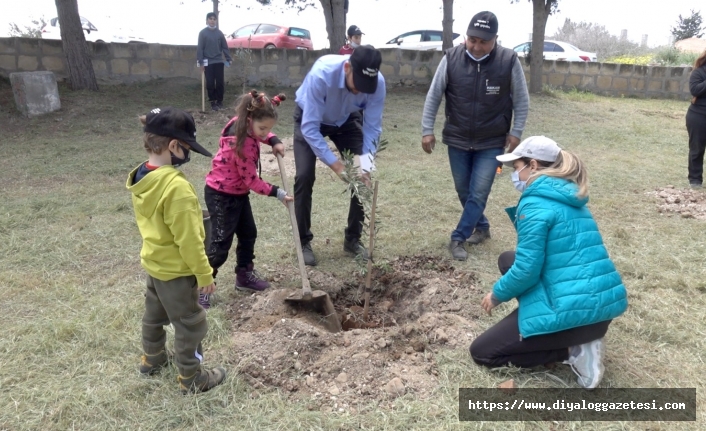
(269, 36)
(423, 40)
(52, 30)
(555, 50)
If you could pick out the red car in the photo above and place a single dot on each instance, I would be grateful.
(268, 36)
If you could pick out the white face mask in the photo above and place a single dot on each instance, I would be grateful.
(354, 45)
(519, 184)
(478, 59)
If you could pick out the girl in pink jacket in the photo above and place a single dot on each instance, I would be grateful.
(234, 172)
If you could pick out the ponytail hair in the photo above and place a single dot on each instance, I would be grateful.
(569, 167)
(253, 106)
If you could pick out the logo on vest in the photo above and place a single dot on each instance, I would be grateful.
(491, 90)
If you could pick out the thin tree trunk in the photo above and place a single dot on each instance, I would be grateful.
(447, 24)
(335, 23)
(215, 10)
(540, 13)
(78, 60)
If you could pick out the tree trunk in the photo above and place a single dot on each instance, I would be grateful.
(447, 24)
(78, 60)
(540, 14)
(215, 10)
(335, 23)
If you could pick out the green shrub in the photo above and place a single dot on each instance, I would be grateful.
(673, 57)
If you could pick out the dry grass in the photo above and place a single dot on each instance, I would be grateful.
(71, 283)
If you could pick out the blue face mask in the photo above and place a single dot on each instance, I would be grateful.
(519, 184)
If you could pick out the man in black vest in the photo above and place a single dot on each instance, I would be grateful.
(484, 86)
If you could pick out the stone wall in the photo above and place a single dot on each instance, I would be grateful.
(124, 63)
(617, 79)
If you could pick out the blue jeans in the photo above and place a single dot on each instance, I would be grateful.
(473, 173)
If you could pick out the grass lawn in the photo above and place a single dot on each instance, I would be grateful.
(71, 282)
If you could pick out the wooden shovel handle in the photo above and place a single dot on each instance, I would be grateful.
(306, 288)
(369, 275)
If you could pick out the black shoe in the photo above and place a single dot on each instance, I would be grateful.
(457, 250)
(478, 236)
(355, 247)
(309, 258)
(220, 104)
(214, 106)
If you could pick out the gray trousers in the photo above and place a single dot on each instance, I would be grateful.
(176, 302)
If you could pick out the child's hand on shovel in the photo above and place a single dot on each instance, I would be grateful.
(284, 197)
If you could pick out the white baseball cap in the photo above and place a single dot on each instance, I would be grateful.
(534, 147)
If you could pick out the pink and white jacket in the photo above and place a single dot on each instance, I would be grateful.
(237, 176)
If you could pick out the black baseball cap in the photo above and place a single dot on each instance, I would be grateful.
(176, 124)
(365, 62)
(483, 25)
(354, 30)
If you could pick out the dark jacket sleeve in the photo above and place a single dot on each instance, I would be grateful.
(224, 48)
(697, 82)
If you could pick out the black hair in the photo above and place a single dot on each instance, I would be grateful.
(211, 15)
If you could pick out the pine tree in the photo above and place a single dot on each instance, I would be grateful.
(688, 27)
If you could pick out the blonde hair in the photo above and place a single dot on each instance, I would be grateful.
(567, 166)
(154, 143)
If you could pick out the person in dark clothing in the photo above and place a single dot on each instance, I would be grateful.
(696, 122)
(211, 51)
(484, 87)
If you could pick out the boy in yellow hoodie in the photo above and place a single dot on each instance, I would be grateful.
(170, 220)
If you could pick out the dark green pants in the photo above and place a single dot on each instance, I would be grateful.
(176, 302)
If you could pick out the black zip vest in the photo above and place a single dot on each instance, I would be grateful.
(478, 98)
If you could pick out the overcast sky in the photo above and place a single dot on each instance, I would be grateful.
(179, 21)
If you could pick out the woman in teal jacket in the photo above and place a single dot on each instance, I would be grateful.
(567, 287)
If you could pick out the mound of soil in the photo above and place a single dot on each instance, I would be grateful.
(419, 304)
(688, 203)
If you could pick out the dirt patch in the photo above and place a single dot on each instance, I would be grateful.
(675, 115)
(268, 161)
(687, 203)
(419, 304)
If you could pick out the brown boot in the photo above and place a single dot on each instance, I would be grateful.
(153, 363)
(202, 381)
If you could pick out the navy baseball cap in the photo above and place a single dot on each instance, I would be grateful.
(365, 62)
(483, 25)
(176, 124)
(354, 30)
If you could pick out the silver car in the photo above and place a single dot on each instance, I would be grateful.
(422, 40)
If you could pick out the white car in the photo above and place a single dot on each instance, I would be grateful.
(53, 31)
(555, 50)
(423, 40)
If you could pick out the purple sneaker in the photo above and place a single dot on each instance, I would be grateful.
(205, 300)
(247, 279)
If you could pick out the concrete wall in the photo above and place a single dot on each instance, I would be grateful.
(124, 63)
